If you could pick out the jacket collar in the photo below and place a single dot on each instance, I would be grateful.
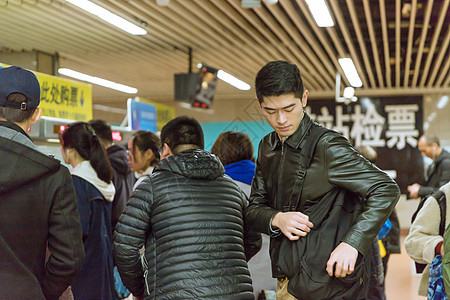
(297, 137)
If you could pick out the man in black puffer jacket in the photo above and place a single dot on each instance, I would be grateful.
(190, 216)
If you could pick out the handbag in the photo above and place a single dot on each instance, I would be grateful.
(304, 261)
(436, 289)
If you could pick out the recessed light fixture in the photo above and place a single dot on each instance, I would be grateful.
(108, 16)
(230, 79)
(98, 81)
(320, 12)
(350, 72)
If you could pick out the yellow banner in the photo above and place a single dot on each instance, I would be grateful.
(64, 98)
(164, 113)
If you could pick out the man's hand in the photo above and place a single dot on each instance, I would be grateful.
(414, 191)
(292, 224)
(344, 257)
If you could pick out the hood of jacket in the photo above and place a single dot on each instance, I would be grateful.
(20, 164)
(195, 164)
(242, 171)
(118, 157)
(87, 172)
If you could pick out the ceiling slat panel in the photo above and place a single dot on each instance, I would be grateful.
(367, 12)
(387, 63)
(309, 57)
(397, 42)
(440, 57)
(437, 32)
(349, 43)
(410, 42)
(274, 41)
(362, 44)
(323, 40)
(309, 36)
(423, 37)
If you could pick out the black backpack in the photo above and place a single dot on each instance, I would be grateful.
(304, 261)
(442, 201)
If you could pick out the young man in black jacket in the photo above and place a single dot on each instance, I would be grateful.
(38, 207)
(123, 177)
(335, 165)
(190, 217)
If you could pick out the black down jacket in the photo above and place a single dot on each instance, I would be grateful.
(189, 215)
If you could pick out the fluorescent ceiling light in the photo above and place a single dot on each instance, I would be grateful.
(98, 81)
(350, 72)
(230, 79)
(320, 12)
(108, 16)
(442, 102)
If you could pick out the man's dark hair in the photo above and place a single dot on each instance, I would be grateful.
(15, 115)
(182, 131)
(233, 146)
(431, 138)
(102, 129)
(278, 78)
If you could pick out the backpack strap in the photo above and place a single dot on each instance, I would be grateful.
(442, 201)
(306, 155)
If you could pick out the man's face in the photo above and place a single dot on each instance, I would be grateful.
(425, 149)
(284, 113)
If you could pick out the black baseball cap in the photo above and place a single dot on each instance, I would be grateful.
(18, 80)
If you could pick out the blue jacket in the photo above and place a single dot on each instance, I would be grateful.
(96, 279)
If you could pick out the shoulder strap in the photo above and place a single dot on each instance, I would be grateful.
(442, 201)
(306, 156)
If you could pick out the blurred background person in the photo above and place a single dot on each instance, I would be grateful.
(235, 151)
(92, 179)
(438, 173)
(123, 180)
(390, 243)
(143, 154)
(424, 244)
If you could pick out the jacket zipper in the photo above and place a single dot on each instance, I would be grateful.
(145, 265)
(280, 176)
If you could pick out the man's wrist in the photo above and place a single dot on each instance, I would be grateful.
(273, 231)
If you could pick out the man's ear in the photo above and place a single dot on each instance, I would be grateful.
(166, 151)
(36, 116)
(305, 98)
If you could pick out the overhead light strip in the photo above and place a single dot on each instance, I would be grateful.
(320, 12)
(350, 72)
(98, 81)
(230, 79)
(108, 16)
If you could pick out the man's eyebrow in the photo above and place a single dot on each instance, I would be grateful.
(288, 106)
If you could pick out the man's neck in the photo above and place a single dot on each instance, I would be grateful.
(23, 125)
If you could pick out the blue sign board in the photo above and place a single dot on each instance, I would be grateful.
(142, 116)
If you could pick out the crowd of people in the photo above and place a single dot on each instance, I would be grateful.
(166, 219)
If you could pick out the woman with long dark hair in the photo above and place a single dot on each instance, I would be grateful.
(91, 176)
(143, 154)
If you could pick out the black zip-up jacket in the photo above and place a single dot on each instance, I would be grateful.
(123, 180)
(191, 218)
(335, 165)
(37, 208)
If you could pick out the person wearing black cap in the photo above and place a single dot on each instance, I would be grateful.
(37, 201)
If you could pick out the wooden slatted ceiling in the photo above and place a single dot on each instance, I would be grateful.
(398, 47)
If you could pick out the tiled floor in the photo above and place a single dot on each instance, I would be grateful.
(401, 283)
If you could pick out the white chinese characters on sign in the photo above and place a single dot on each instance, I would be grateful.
(367, 128)
(402, 122)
